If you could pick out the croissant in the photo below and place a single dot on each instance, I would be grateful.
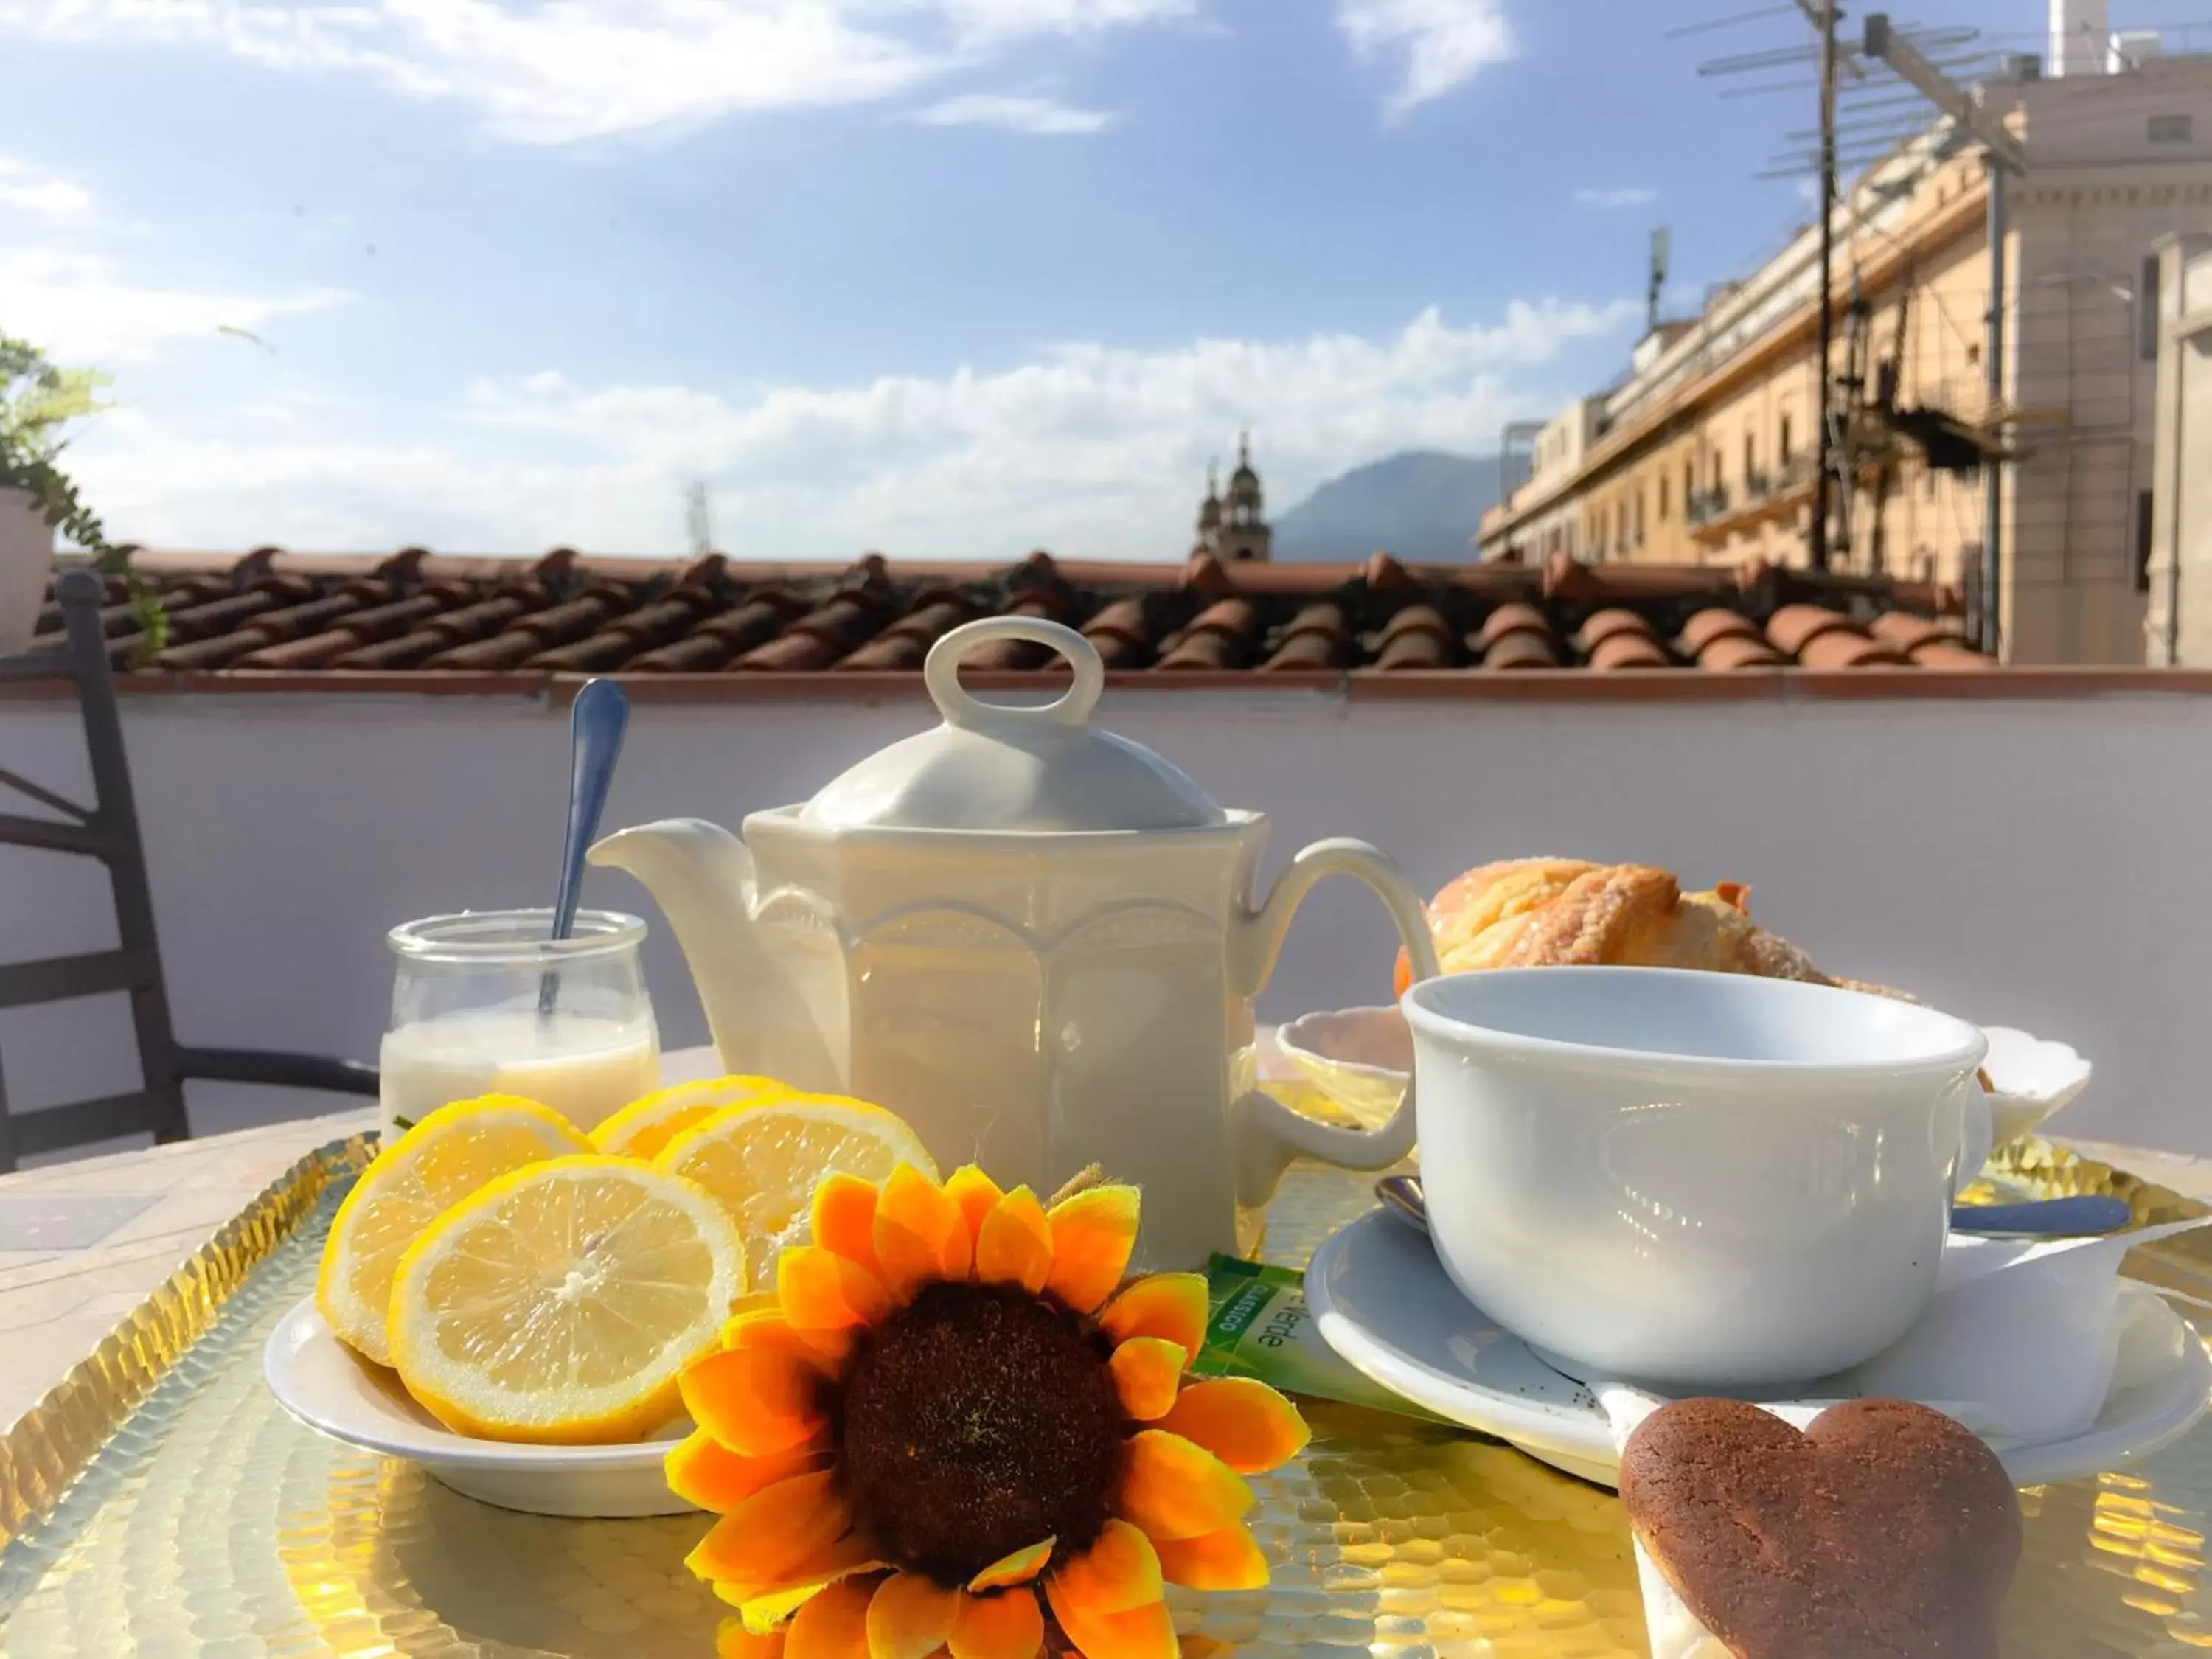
(1549, 912)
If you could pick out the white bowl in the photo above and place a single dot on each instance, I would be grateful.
(328, 1386)
(1360, 1058)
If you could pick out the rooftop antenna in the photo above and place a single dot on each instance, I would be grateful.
(1662, 246)
(699, 520)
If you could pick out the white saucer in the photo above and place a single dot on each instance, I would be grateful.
(328, 1386)
(1379, 1298)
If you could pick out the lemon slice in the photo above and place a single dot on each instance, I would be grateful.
(414, 1180)
(764, 1161)
(559, 1303)
(641, 1128)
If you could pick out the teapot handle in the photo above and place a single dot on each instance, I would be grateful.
(940, 672)
(1270, 1135)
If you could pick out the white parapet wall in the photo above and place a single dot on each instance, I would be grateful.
(2028, 860)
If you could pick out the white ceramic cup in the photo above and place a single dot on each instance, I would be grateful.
(1687, 1178)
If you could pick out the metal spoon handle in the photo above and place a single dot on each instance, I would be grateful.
(596, 722)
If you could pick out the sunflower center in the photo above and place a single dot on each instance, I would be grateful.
(977, 1421)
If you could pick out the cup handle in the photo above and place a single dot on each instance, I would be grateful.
(1977, 1137)
(1269, 1135)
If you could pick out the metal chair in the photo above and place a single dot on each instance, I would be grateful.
(108, 831)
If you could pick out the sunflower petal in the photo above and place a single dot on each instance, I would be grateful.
(910, 1617)
(825, 1297)
(920, 1233)
(1247, 1424)
(764, 1607)
(833, 1625)
(701, 1470)
(1174, 1488)
(767, 1327)
(1226, 1560)
(1122, 1571)
(1016, 1569)
(1092, 1235)
(974, 1193)
(1146, 1633)
(756, 1401)
(1169, 1305)
(1014, 1244)
(1146, 1370)
(733, 1641)
(773, 1533)
(1008, 1626)
(844, 1218)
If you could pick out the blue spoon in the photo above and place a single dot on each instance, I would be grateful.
(596, 722)
(2044, 1218)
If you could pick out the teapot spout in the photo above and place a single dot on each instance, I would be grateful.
(702, 878)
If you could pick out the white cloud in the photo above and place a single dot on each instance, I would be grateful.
(73, 302)
(1042, 117)
(35, 193)
(1446, 42)
(1088, 449)
(552, 71)
(81, 310)
(1626, 196)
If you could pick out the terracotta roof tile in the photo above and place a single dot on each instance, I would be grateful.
(1794, 627)
(1727, 652)
(420, 612)
(1415, 636)
(1315, 638)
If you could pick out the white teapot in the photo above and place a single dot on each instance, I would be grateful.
(1033, 940)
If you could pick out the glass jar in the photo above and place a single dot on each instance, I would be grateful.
(486, 1003)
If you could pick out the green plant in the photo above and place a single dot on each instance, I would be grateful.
(38, 402)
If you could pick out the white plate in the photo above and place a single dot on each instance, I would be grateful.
(1380, 1300)
(328, 1386)
(1360, 1058)
(2032, 1079)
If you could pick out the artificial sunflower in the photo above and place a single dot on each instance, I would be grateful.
(951, 1420)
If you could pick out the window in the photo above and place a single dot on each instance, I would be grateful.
(2172, 128)
(1639, 518)
(2145, 506)
(2147, 317)
(1782, 450)
(1662, 498)
(1689, 483)
(1750, 459)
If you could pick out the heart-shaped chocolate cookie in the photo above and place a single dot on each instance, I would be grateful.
(1885, 1531)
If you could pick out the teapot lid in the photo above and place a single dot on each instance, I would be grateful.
(1034, 771)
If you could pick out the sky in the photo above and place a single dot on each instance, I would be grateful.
(940, 278)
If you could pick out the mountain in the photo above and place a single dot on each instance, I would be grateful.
(1421, 505)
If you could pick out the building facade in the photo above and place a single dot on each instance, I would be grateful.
(1707, 451)
(2177, 624)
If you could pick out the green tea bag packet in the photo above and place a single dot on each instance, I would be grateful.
(1258, 1326)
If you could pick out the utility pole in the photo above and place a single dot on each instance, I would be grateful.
(1818, 541)
(2003, 156)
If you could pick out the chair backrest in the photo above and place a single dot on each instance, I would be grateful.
(107, 830)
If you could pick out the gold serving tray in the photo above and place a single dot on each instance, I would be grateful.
(158, 1503)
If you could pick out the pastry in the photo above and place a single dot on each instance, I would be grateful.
(1884, 1531)
(1544, 913)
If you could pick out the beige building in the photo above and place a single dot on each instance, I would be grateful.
(2177, 627)
(1705, 451)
